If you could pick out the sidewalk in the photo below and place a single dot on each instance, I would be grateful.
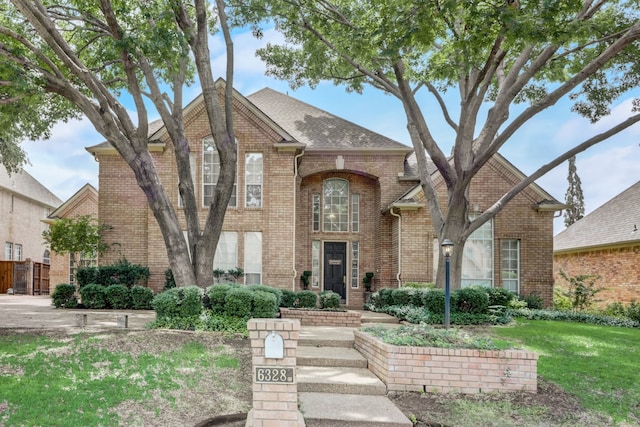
(23, 311)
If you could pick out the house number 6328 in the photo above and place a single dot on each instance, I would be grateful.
(265, 374)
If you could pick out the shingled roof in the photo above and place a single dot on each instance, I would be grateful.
(318, 129)
(615, 222)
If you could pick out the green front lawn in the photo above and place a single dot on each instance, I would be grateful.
(598, 364)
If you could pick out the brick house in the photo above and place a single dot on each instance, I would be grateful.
(605, 243)
(317, 193)
(83, 202)
(24, 204)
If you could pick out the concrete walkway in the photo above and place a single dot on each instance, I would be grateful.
(37, 312)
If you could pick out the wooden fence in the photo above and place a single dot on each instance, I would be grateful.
(24, 277)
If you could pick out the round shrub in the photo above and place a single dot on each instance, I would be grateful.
(402, 296)
(288, 298)
(386, 297)
(499, 296)
(329, 300)
(434, 300)
(141, 298)
(307, 299)
(534, 301)
(276, 292)
(178, 302)
(472, 300)
(118, 296)
(417, 297)
(265, 305)
(217, 295)
(237, 303)
(64, 296)
(93, 296)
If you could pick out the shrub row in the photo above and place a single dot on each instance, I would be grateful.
(95, 296)
(120, 273)
(472, 305)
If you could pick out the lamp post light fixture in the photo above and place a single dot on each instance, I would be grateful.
(447, 248)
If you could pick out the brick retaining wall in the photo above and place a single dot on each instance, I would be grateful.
(431, 369)
(322, 318)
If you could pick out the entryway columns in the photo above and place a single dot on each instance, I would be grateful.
(274, 343)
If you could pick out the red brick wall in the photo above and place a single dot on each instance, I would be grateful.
(285, 218)
(618, 267)
(427, 369)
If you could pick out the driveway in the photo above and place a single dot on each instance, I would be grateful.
(28, 312)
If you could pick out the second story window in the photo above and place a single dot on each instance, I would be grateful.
(211, 172)
(335, 208)
(253, 180)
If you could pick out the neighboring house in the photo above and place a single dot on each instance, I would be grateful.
(83, 202)
(317, 193)
(605, 243)
(24, 204)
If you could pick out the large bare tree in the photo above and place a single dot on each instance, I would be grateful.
(88, 55)
(476, 57)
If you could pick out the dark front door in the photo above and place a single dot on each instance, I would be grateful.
(335, 260)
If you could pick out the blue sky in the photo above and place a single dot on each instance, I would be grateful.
(63, 165)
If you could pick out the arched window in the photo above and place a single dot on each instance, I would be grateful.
(335, 211)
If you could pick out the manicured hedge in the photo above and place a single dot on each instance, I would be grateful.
(64, 296)
(93, 296)
(178, 302)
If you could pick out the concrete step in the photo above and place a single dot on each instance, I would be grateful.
(330, 356)
(326, 336)
(339, 380)
(349, 410)
(368, 317)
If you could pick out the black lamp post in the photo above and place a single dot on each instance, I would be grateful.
(447, 248)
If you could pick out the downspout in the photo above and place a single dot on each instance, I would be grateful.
(295, 202)
(399, 246)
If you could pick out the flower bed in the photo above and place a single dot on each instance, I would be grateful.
(309, 317)
(428, 369)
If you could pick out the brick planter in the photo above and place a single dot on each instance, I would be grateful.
(431, 369)
(322, 318)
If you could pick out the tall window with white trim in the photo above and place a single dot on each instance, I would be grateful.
(226, 257)
(355, 257)
(335, 212)
(315, 211)
(211, 172)
(511, 265)
(253, 258)
(355, 213)
(253, 180)
(477, 261)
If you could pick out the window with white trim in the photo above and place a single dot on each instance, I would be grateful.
(8, 251)
(315, 209)
(315, 264)
(253, 180)
(355, 256)
(46, 257)
(211, 172)
(355, 213)
(477, 260)
(80, 260)
(18, 250)
(226, 257)
(335, 210)
(511, 265)
(253, 258)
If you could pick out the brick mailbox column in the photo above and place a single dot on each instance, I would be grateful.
(275, 390)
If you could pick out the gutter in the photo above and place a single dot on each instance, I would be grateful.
(295, 178)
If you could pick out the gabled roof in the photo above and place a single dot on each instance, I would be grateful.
(546, 202)
(318, 129)
(87, 190)
(23, 184)
(617, 222)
